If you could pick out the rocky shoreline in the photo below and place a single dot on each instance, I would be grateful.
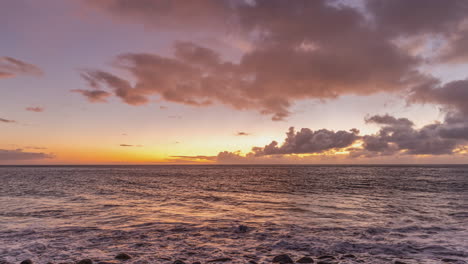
(182, 255)
(122, 258)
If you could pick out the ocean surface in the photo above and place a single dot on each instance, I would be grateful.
(157, 214)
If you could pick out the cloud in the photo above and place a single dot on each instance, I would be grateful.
(129, 145)
(10, 67)
(298, 50)
(452, 95)
(401, 17)
(396, 137)
(36, 109)
(301, 50)
(309, 141)
(34, 147)
(389, 120)
(182, 159)
(3, 120)
(19, 154)
(400, 136)
(210, 14)
(304, 141)
(456, 50)
(240, 133)
(94, 96)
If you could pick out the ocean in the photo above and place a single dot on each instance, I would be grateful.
(234, 214)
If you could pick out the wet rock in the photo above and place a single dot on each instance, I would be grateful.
(449, 260)
(283, 258)
(399, 262)
(219, 260)
(242, 229)
(27, 261)
(123, 256)
(326, 257)
(305, 260)
(85, 261)
(178, 262)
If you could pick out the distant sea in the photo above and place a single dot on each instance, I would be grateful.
(158, 214)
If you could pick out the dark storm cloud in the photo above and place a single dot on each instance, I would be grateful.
(11, 67)
(3, 120)
(19, 154)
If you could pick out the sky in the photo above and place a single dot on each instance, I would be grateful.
(233, 82)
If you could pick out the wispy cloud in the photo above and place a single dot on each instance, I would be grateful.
(36, 109)
(130, 145)
(19, 154)
(11, 67)
(3, 120)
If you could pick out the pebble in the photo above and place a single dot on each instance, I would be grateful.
(326, 257)
(242, 229)
(284, 258)
(305, 260)
(219, 260)
(449, 260)
(123, 256)
(85, 261)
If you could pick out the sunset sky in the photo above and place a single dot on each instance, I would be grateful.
(233, 81)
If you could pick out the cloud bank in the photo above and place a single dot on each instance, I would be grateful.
(19, 154)
(396, 136)
(300, 50)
